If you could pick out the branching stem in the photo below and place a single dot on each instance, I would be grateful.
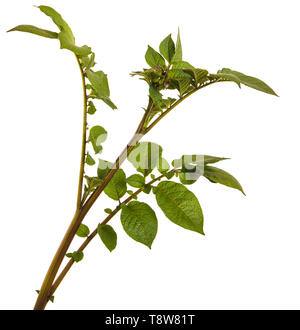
(80, 213)
(94, 233)
(82, 210)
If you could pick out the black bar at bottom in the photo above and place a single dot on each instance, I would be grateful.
(153, 319)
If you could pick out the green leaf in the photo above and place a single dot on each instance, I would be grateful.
(192, 166)
(179, 74)
(103, 168)
(108, 210)
(163, 165)
(152, 75)
(167, 48)
(211, 159)
(178, 50)
(117, 186)
(97, 136)
(190, 174)
(91, 108)
(241, 78)
(65, 36)
(169, 175)
(217, 175)
(182, 65)
(183, 86)
(93, 182)
(136, 180)
(89, 160)
(147, 188)
(156, 96)
(58, 20)
(88, 61)
(153, 58)
(183, 79)
(99, 82)
(145, 156)
(139, 222)
(76, 255)
(155, 110)
(67, 44)
(180, 205)
(83, 231)
(108, 236)
(108, 102)
(168, 102)
(199, 75)
(196, 159)
(35, 30)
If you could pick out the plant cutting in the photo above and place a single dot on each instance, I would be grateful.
(170, 80)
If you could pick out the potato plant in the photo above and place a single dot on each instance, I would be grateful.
(166, 74)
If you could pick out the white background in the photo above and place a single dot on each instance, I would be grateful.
(249, 257)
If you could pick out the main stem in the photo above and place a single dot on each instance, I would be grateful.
(73, 227)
